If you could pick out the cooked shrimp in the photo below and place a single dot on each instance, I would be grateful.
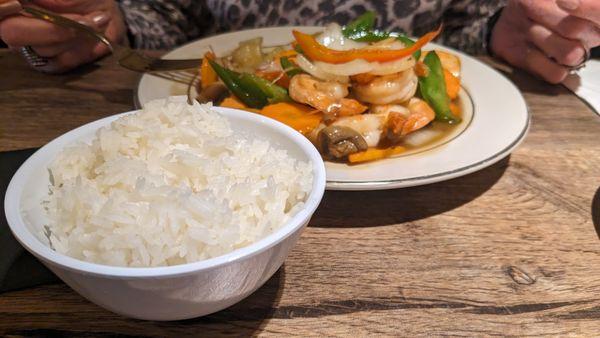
(328, 97)
(404, 120)
(392, 121)
(370, 126)
(388, 89)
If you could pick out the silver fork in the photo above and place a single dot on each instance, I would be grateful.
(126, 57)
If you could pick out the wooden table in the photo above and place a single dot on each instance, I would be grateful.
(510, 250)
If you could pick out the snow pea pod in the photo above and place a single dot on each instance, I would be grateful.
(433, 89)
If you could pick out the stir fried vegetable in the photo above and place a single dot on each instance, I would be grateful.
(289, 68)
(273, 92)
(373, 154)
(248, 55)
(207, 74)
(298, 116)
(316, 51)
(433, 89)
(358, 93)
(250, 95)
(409, 43)
(361, 30)
(252, 90)
(235, 103)
(452, 84)
(361, 26)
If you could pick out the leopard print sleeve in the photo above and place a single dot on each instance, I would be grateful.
(164, 24)
(156, 24)
(466, 24)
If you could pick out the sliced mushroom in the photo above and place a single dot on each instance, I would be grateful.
(215, 93)
(338, 142)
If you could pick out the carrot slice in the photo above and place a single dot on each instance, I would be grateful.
(235, 103)
(373, 154)
(455, 108)
(298, 116)
(452, 84)
(207, 73)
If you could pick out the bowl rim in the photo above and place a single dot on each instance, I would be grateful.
(14, 216)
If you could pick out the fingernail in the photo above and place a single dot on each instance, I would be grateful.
(9, 8)
(100, 19)
(569, 5)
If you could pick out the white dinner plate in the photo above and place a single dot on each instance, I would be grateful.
(496, 120)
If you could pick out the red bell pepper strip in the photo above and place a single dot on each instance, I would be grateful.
(315, 51)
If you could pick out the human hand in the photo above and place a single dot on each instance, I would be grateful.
(64, 48)
(9, 7)
(547, 37)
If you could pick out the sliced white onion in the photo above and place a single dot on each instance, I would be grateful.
(361, 66)
(317, 72)
(358, 66)
(390, 43)
(333, 38)
(391, 67)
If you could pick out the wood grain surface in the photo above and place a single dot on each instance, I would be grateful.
(513, 249)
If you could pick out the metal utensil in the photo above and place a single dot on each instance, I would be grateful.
(127, 57)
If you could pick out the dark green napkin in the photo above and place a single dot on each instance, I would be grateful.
(18, 268)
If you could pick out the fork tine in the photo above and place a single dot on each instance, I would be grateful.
(180, 77)
(184, 77)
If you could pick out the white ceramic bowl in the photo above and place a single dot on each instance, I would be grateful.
(163, 293)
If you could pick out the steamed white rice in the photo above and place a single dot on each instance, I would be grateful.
(170, 185)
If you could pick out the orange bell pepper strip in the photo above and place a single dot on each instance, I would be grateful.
(315, 51)
(207, 73)
(285, 53)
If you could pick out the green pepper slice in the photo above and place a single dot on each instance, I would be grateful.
(289, 67)
(433, 89)
(361, 30)
(363, 23)
(250, 95)
(369, 36)
(273, 92)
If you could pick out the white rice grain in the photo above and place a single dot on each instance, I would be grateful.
(169, 185)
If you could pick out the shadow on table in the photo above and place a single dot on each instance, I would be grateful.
(596, 212)
(344, 209)
(245, 318)
(18, 269)
(74, 80)
(530, 84)
(37, 79)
